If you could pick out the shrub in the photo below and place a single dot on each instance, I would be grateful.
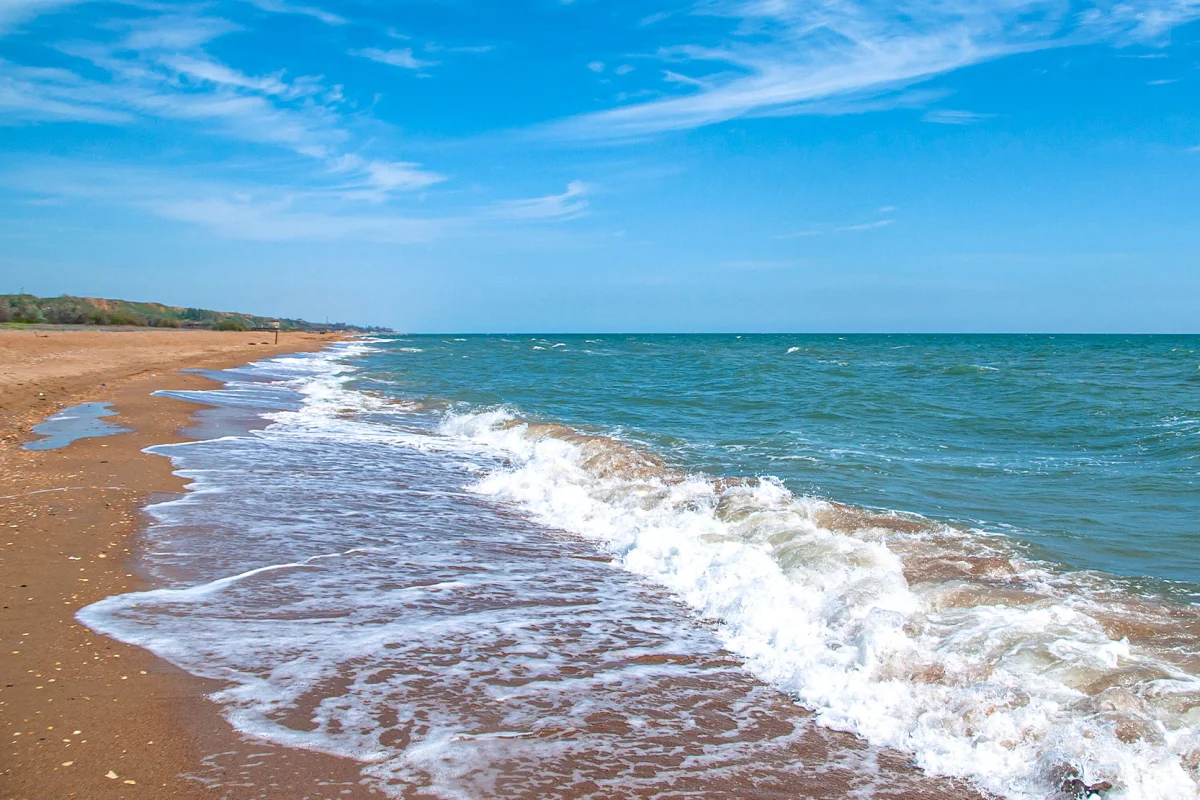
(198, 314)
(124, 318)
(232, 325)
(27, 312)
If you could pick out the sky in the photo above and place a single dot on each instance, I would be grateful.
(589, 165)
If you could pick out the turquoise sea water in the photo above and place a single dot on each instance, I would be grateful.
(1085, 447)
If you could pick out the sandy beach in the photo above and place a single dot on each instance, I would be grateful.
(82, 715)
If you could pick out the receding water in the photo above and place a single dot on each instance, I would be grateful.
(604, 566)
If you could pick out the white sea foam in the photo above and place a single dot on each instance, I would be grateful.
(1012, 680)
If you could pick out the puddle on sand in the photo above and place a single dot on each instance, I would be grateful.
(84, 421)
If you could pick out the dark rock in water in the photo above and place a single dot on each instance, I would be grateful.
(1074, 787)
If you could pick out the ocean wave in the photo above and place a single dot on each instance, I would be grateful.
(947, 644)
(970, 369)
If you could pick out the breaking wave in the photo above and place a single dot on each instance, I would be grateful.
(948, 644)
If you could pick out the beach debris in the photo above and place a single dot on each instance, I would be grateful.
(112, 776)
(67, 763)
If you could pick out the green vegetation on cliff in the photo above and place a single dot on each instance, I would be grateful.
(68, 310)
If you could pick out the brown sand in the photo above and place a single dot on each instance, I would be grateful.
(77, 709)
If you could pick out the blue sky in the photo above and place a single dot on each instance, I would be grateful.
(537, 165)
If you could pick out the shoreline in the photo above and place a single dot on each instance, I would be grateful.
(83, 715)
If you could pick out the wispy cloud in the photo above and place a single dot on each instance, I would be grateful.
(36, 94)
(253, 212)
(207, 70)
(328, 180)
(231, 210)
(823, 230)
(761, 264)
(281, 7)
(865, 226)
(377, 180)
(397, 57)
(784, 56)
(654, 18)
(434, 47)
(15, 12)
(281, 221)
(160, 68)
(555, 207)
(175, 32)
(946, 116)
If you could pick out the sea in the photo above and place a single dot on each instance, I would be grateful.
(713, 566)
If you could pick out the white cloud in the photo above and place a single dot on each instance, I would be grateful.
(675, 77)
(15, 12)
(596, 66)
(822, 230)
(210, 71)
(785, 56)
(653, 18)
(232, 210)
(865, 226)
(951, 117)
(278, 221)
(175, 32)
(160, 69)
(434, 47)
(24, 96)
(376, 180)
(760, 264)
(555, 207)
(281, 7)
(398, 57)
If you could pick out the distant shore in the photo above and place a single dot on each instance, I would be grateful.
(82, 715)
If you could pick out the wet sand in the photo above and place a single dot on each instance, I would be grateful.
(82, 715)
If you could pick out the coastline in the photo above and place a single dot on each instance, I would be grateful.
(84, 715)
